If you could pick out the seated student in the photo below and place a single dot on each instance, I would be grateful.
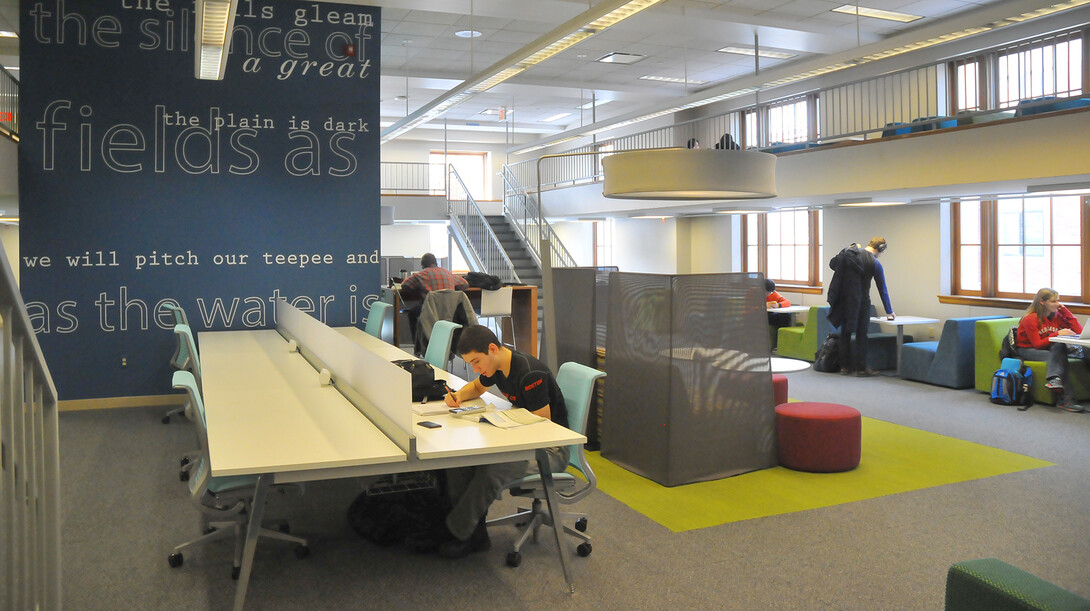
(1047, 318)
(773, 301)
(527, 383)
(416, 287)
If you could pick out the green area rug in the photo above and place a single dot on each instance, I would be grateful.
(894, 459)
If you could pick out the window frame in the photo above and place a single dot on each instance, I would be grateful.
(813, 283)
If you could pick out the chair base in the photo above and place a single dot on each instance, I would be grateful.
(214, 531)
(535, 517)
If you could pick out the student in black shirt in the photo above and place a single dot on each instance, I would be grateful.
(527, 383)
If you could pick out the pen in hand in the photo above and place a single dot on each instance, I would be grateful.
(453, 399)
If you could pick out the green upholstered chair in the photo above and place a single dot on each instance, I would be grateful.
(988, 584)
(989, 337)
(799, 342)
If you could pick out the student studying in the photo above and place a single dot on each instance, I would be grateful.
(527, 383)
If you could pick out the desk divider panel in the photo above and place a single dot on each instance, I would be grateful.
(689, 385)
(381, 390)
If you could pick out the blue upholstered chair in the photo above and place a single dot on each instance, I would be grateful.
(375, 317)
(950, 361)
(181, 359)
(577, 383)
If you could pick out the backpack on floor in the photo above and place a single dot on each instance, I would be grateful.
(827, 357)
(1011, 384)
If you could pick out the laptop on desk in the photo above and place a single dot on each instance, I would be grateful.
(1085, 329)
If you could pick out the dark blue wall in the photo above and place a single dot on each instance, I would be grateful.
(139, 183)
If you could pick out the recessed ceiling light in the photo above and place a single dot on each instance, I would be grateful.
(7, 34)
(620, 58)
(657, 217)
(672, 79)
(865, 202)
(559, 115)
(11, 68)
(862, 11)
(400, 98)
(764, 52)
(594, 104)
(467, 33)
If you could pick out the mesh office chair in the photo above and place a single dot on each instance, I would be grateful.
(181, 359)
(375, 317)
(193, 366)
(497, 305)
(577, 383)
(224, 502)
(438, 352)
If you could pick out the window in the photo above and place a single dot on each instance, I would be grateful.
(603, 243)
(472, 168)
(1052, 67)
(967, 88)
(1010, 248)
(788, 121)
(783, 246)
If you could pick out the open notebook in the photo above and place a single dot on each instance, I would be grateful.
(509, 418)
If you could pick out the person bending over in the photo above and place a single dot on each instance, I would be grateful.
(849, 300)
(1046, 318)
(526, 382)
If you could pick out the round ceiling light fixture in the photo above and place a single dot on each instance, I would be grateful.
(689, 174)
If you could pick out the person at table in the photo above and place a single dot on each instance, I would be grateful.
(1046, 318)
(774, 301)
(527, 383)
(849, 300)
(416, 287)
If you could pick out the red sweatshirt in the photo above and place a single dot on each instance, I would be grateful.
(778, 298)
(1033, 333)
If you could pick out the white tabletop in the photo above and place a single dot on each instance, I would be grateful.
(904, 320)
(780, 364)
(791, 309)
(1070, 339)
(267, 411)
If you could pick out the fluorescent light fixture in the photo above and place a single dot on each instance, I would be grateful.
(11, 68)
(657, 217)
(467, 33)
(584, 25)
(864, 202)
(672, 79)
(1073, 188)
(862, 11)
(8, 34)
(215, 21)
(559, 115)
(737, 211)
(9, 219)
(620, 58)
(594, 104)
(763, 52)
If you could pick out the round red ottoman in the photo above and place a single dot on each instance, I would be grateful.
(818, 437)
(779, 388)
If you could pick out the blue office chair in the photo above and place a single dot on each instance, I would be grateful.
(438, 352)
(224, 502)
(375, 317)
(577, 383)
(187, 344)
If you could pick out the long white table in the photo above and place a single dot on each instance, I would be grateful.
(1072, 340)
(269, 415)
(900, 322)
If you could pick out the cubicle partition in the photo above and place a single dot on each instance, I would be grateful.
(689, 386)
(359, 373)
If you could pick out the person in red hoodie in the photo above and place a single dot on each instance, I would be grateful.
(1047, 318)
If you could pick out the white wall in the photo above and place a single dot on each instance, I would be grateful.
(645, 245)
(578, 238)
(416, 151)
(712, 244)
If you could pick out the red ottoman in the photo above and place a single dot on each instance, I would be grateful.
(779, 388)
(818, 437)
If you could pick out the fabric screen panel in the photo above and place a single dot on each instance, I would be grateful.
(689, 390)
(575, 288)
(141, 185)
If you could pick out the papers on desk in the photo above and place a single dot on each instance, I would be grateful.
(510, 418)
(434, 408)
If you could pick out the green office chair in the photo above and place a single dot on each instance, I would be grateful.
(224, 502)
(181, 359)
(577, 383)
(438, 352)
(375, 317)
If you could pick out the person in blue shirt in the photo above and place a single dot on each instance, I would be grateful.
(849, 300)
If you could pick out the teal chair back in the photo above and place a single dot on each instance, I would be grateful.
(185, 336)
(375, 317)
(577, 383)
(438, 352)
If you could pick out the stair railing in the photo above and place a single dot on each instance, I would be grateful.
(30, 497)
(475, 238)
(521, 208)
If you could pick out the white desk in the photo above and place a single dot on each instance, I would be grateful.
(781, 364)
(269, 416)
(900, 323)
(1072, 340)
(794, 309)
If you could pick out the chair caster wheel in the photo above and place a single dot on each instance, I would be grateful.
(302, 552)
(210, 530)
(584, 549)
(184, 461)
(183, 475)
(165, 420)
(235, 571)
(514, 559)
(581, 525)
(175, 560)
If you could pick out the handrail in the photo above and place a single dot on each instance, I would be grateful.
(9, 105)
(522, 208)
(475, 237)
(30, 497)
(410, 177)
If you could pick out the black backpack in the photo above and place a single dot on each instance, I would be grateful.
(827, 357)
(391, 509)
(1008, 348)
